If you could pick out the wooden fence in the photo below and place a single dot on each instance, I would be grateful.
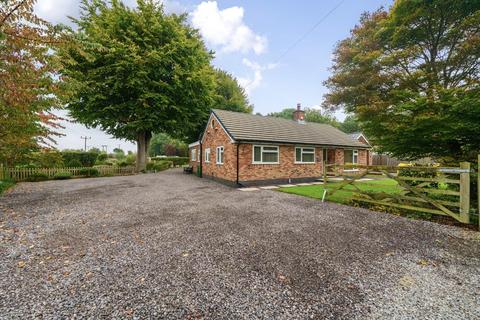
(424, 195)
(22, 174)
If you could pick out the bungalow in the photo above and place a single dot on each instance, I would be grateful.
(242, 149)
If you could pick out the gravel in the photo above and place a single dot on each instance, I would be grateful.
(170, 245)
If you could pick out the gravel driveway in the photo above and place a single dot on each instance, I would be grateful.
(170, 245)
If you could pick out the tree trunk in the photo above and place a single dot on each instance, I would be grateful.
(148, 137)
(141, 148)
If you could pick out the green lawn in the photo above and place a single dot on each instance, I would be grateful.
(4, 185)
(344, 195)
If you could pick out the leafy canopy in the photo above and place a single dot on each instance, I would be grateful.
(411, 76)
(137, 70)
(28, 86)
(229, 95)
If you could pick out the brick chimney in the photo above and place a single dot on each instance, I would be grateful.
(299, 114)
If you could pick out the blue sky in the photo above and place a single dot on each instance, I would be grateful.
(250, 39)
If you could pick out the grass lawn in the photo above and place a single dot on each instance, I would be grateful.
(344, 195)
(4, 185)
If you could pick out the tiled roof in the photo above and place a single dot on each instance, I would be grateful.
(256, 128)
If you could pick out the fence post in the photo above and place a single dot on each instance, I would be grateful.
(478, 190)
(325, 171)
(465, 192)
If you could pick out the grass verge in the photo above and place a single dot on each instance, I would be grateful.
(5, 184)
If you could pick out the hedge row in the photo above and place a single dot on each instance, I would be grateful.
(177, 161)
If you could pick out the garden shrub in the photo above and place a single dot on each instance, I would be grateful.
(89, 172)
(177, 161)
(411, 171)
(102, 156)
(36, 177)
(74, 163)
(46, 159)
(159, 165)
(62, 176)
(86, 159)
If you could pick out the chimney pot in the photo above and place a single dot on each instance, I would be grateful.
(299, 106)
(299, 114)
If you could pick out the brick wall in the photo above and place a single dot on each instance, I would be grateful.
(196, 163)
(216, 137)
(287, 168)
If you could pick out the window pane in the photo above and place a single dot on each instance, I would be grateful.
(348, 156)
(270, 157)
(298, 155)
(308, 157)
(257, 154)
(221, 155)
(308, 150)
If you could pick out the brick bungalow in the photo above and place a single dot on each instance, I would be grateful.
(242, 149)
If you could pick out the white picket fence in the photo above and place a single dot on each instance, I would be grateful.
(22, 174)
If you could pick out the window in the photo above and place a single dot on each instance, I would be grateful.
(219, 155)
(207, 155)
(265, 154)
(212, 124)
(350, 156)
(304, 155)
(193, 154)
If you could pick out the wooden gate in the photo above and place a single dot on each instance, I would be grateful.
(418, 193)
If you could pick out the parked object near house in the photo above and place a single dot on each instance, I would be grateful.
(244, 149)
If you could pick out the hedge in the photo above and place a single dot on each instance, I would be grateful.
(177, 161)
(159, 165)
(86, 159)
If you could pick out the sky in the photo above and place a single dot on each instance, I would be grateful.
(280, 51)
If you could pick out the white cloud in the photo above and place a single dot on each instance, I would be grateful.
(251, 83)
(226, 29)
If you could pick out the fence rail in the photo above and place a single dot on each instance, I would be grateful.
(419, 196)
(22, 174)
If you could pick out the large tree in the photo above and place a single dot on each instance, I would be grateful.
(311, 115)
(229, 95)
(412, 77)
(28, 85)
(135, 72)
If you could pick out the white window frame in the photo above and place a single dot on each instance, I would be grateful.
(193, 154)
(301, 155)
(220, 150)
(261, 154)
(207, 155)
(354, 156)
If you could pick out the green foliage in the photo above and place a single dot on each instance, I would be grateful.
(102, 156)
(5, 184)
(159, 165)
(89, 172)
(79, 158)
(163, 144)
(46, 159)
(62, 176)
(412, 77)
(37, 177)
(418, 173)
(311, 115)
(350, 124)
(134, 72)
(177, 161)
(229, 95)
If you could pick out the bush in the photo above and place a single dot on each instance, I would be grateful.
(102, 156)
(74, 163)
(37, 176)
(159, 165)
(62, 176)
(177, 161)
(411, 171)
(5, 184)
(89, 172)
(46, 159)
(86, 159)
